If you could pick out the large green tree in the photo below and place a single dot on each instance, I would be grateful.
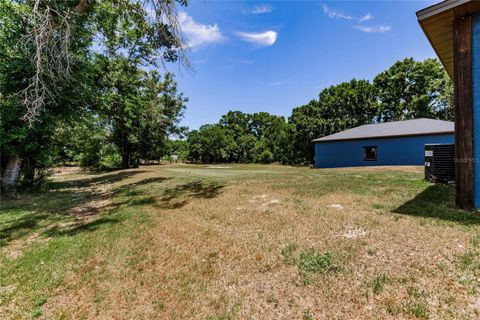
(141, 108)
(414, 89)
(134, 114)
(340, 107)
(162, 110)
(257, 137)
(47, 49)
(32, 144)
(210, 144)
(306, 124)
(271, 133)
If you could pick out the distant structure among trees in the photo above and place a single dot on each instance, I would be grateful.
(407, 90)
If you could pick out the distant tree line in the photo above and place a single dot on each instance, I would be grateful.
(240, 137)
(409, 89)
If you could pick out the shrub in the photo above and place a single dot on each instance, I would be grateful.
(110, 158)
(265, 157)
(106, 156)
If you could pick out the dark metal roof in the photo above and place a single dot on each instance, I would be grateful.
(393, 129)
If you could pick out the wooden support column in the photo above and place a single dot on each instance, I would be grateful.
(464, 156)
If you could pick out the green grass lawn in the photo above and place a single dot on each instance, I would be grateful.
(239, 242)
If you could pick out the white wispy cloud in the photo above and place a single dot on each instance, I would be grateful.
(266, 38)
(366, 17)
(261, 9)
(198, 34)
(336, 14)
(373, 29)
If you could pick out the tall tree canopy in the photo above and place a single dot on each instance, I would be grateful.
(210, 144)
(54, 30)
(53, 57)
(340, 107)
(140, 108)
(414, 89)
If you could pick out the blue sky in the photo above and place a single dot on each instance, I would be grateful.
(276, 55)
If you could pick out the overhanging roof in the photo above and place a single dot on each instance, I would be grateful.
(437, 23)
(416, 127)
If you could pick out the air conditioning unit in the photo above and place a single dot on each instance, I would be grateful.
(440, 162)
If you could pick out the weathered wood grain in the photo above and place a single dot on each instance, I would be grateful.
(462, 30)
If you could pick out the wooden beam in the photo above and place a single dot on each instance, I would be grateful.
(462, 30)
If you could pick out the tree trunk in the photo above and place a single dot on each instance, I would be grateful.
(125, 159)
(11, 172)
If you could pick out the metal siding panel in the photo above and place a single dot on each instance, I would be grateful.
(476, 105)
(391, 151)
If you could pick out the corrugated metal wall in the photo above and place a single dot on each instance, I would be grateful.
(390, 151)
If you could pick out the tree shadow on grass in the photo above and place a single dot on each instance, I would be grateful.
(79, 198)
(21, 227)
(131, 189)
(79, 204)
(181, 195)
(438, 202)
(76, 206)
(79, 227)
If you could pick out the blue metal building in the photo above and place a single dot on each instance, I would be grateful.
(382, 144)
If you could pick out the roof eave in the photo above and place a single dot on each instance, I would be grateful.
(439, 8)
(437, 23)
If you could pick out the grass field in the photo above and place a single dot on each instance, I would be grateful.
(239, 242)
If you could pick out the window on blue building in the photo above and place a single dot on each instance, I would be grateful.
(370, 153)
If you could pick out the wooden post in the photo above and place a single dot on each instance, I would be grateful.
(464, 157)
